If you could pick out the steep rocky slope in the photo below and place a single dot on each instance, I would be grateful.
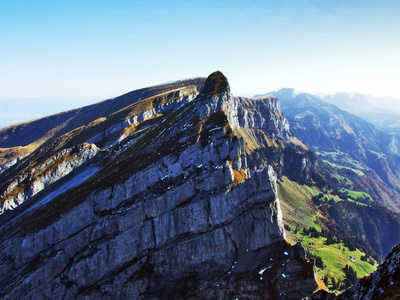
(21, 139)
(173, 196)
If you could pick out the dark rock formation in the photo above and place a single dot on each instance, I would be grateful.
(177, 200)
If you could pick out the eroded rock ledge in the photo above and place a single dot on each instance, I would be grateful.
(179, 210)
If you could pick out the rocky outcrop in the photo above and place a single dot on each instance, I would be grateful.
(262, 113)
(40, 171)
(56, 125)
(38, 178)
(384, 283)
(178, 209)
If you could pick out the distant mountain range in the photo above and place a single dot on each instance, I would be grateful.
(346, 140)
(383, 112)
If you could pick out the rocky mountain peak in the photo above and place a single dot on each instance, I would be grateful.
(283, 93)
(215, 84)
(174, 196)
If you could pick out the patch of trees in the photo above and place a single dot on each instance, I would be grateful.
(337, 284)
(350, 243)
(345, 195)
(364, 257)
(373, 229)
(314, 233)
(331, 238)
(318, 262)
(351, 276)
(368, 259)
(320, 198)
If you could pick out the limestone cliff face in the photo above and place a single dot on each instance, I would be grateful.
(173, 204)
(51, 170)
(49, 164)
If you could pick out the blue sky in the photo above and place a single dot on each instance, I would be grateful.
(77, 52)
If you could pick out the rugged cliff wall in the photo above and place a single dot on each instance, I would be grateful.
(174, 206)
(58, 158)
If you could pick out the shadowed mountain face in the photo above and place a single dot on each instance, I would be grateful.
(166, 192)
(29, 132)
(346, 140)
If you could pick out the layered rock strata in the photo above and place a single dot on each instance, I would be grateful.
(178, 209)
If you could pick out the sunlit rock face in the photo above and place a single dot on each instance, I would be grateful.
(176, 199)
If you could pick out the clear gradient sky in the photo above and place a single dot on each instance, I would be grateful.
(82, 51)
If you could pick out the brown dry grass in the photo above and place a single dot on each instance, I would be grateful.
(238, 177)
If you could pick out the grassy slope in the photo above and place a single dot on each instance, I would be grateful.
(299, 210)
(337, 166)
(297, 207)
(354, 194)
(335, 257)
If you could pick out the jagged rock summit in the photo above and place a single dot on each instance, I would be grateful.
(172, 196)
(215, 84)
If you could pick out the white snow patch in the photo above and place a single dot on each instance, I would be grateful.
(263, 270)
(216, 128)
(285, 253)
(283, 275)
